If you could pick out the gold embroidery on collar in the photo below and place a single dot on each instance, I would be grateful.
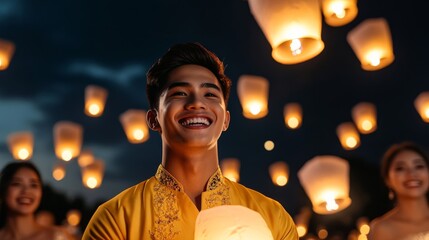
(167, 179)
(219, 191)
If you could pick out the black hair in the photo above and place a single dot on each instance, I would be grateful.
(179, 55)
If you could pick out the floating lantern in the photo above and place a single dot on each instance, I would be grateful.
(292, 27)
(279, 173)
(230, 168)
(292, 113)
(21, 145)
(325, 179)
(73, 217)
(364, 115)
(59, 172)
(85, 158)
(339, 12)
(7, 49)
(92, 174)
(421, 103)
(253, 95)
(95, 99)
(231, 222)
(135, 126)
(372, 43)
(67, 139)
(348, 136)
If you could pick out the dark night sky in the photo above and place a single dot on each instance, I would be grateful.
(63, 46)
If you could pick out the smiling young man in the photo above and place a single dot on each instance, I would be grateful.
(188, 94)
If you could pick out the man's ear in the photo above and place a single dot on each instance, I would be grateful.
(227, 120)
(152, 121)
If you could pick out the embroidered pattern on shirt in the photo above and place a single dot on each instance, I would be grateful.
(167, 179)
(220, 191)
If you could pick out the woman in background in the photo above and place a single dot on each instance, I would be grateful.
(20, 196)
(405, 171)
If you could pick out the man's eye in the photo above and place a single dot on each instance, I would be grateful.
(211, 95)
(178, 94)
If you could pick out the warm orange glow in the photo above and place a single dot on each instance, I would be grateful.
(279, 172)
(362, 225)
(269, 145)
(364, 116)
(95, 100)
(348, 136)
(73, 217)
(372, 43)
(292, 114)
(59, 172)
(292, 27)
(92, 174)
(230, 168)
(135, 126)
(85, 158)
(253, 95)
(7, 49)
(21, 145)
(322, 233)
(325, 179)
(421, 103)
(339, 12)
(68, 138)
(302, 230)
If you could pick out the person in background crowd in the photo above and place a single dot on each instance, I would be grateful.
(188, 94)
(405, 170)
(20, 196)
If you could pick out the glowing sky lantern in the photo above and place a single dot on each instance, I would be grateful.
(348, 136)
(7, 49)
(301, 221)
(21, 145)
(292, 27)
(73, 217)
(372, 43)
(68, 138)
(95, 100)
(59, 172)
(364, 115)
(230, 168)
(421, 103)
(292, 114)
(253, 95)
(231, 222)
(279, 173)
(85, 158)
(92, 174)
(135, 126)
(339, 12)
(325, 179)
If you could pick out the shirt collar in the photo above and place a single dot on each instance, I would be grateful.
(165, 178)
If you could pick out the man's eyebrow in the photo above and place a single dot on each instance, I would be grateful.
(185, 84)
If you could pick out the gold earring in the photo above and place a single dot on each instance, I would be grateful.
(391, 194)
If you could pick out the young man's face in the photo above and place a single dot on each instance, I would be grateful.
(192, 109)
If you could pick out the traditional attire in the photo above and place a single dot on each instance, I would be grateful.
(159, 209)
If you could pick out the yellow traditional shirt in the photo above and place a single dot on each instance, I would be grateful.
(159, 209)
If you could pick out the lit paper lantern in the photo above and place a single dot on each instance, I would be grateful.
(135, 125)
(339, 12)
(231, 222)
(371, 41)
(85, 158)
(67, 139)
(73, 217)
(21, 145)
(301, 221)
(92, 174)
(364, 115)
(279, 173)
(7, 49)
(292, 27)
(59, 172)
(253, 95)
(230, 168)
(348, 136)
(325, 179)
(292, 113)
(95, 100)
(421, 103)
(362, 225)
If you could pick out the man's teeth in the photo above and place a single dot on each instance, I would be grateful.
(414, 183)
(25, 200)
(196, 121)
